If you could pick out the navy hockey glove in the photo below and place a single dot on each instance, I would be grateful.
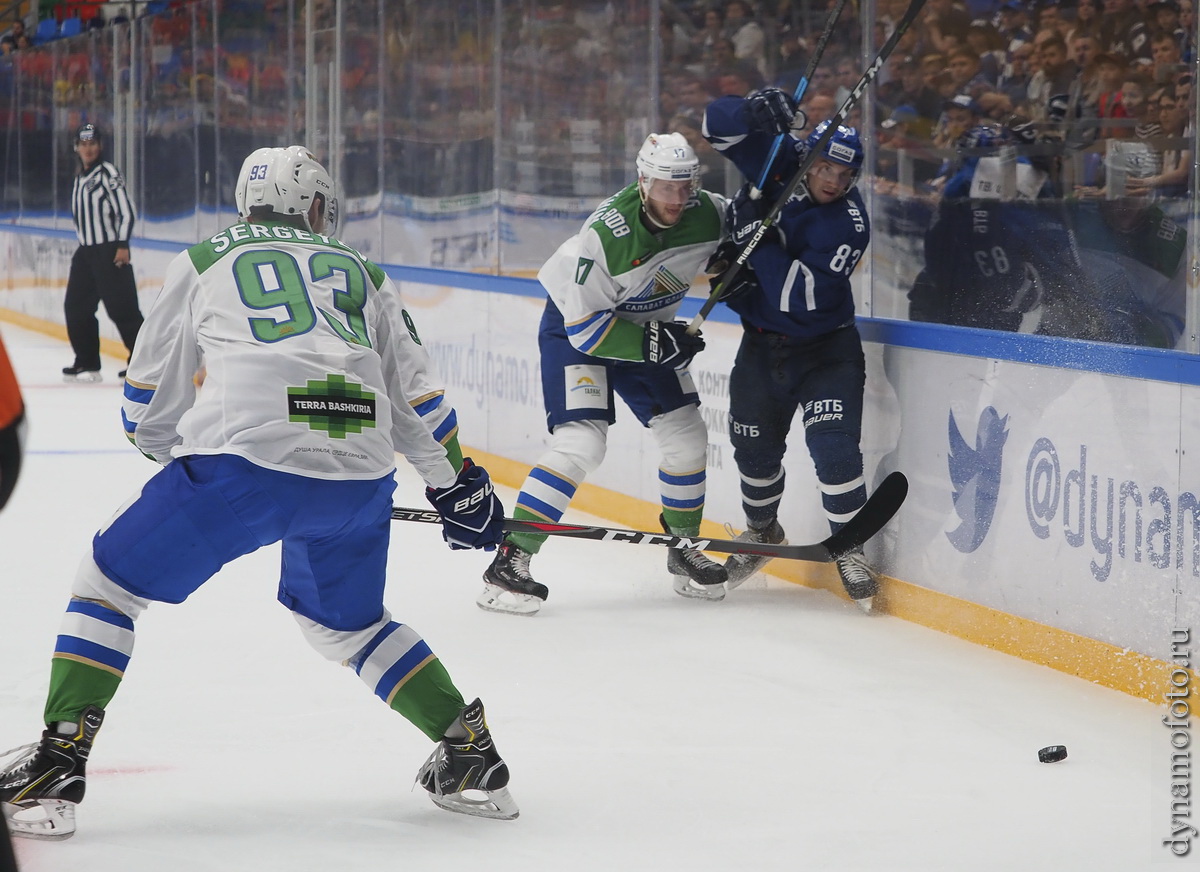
(743, 283)
(669, 343)
(742, 217)
(471, 511)
(771, 111)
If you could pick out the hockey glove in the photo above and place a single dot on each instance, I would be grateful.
(771, 111)
(668, 343)
(742, 217)
(471, 511)
(743, 283)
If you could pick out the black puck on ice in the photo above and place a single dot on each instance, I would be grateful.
(1052, 753)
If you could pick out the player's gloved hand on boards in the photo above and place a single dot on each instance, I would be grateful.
(471, 512)
(771, 111)
(669, 343)
(742, 218)
(743, 283)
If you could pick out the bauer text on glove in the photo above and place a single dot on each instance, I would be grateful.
(668, 343)
(471, 512)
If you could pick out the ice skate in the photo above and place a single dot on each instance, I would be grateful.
(42, 783)
(465, 773)
(741, 566)
(858, 579)
(508, 586)
(80, 374)
(695, 576)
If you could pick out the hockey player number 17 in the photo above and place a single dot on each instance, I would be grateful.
(274, 280)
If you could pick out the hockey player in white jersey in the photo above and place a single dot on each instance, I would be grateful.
(608, 328)
(315, 378)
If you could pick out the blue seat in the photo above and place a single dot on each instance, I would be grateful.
(70, 27)
(47, 30)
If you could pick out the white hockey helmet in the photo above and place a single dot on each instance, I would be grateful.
(667, 156)
(286, 181)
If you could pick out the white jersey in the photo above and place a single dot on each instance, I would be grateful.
(312, 364)
(616, 270)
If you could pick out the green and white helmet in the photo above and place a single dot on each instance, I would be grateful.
(286, 181)
(667, 156)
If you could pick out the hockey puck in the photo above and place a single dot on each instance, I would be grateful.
(1052, 753)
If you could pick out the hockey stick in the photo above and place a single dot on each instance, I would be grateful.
(731, 271)
(875, 513)
(801, 87)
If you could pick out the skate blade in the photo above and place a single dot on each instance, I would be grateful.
(739, 577)
(84, 378)
(497, 599)
(684, 586)
(494, 804)
(46, 819)
(865, 604)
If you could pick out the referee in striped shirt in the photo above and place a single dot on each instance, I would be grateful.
(100, 269)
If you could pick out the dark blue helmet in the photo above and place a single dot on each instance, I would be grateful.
(844, 147)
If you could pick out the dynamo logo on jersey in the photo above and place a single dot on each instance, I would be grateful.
(975, 475)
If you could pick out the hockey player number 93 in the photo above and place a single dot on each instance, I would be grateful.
(273, 279)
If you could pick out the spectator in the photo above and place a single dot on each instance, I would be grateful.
(1167, 55)
(693, 95)
(945, 25)
(1171, 178)
(846, 75)
(983, 39)
(1187, 24)
(909, 88)
(1018, 75)
(747, 35)
(1163, 17)
(901, 138)
(1110, 75)
(1141, 104)
(706, 38)
(817, 107)
(965, 76)
(1087, 21)
(8, 45)
(1056, 75)
(1013, 25)
(1122, 31)
(959, 114)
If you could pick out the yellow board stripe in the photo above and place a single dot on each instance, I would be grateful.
(1128, 671)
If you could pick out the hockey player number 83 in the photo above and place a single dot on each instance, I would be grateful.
(273, 280)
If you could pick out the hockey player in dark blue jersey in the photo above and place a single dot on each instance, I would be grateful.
(1002, 254)
(800, 347)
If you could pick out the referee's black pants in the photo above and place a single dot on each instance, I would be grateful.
(93, 279)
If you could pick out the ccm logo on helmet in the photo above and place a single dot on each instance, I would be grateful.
(478, 497)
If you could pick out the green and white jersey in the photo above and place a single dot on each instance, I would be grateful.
(312, 365)
(615, 274)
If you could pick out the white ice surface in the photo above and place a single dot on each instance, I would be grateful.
(779, 730)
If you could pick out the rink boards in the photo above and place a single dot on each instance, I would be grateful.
(1052, 512)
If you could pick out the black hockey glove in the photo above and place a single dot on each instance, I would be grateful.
(668, 343)
(771, 111)
(471, 511)
(743, 283)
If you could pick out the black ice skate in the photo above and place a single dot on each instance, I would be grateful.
(465, 773)
(742, 566)
(858, 579)
(81, 374)
(694, 574)
(508, 586)
(42, 784)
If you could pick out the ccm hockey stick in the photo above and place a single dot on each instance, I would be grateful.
(875, 513)
(801, 87)
(731, 271)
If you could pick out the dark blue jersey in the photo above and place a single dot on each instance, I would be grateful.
(804, 272)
